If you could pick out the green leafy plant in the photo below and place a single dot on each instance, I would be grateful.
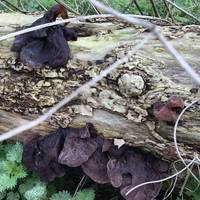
(33, 189)
(11, 169)
(86, 194)
(16, 183)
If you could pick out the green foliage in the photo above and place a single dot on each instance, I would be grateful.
(14, 154)
(16, 183)
(13, 196)
(86, 194)
(11, 169)
(61, 196)
(2, 195)
(83, 7)
(192, 190)
(37, 192)
(7, 182)
(32, 188)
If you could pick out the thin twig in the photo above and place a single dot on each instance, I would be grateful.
(15, 7)
(175, 137)
(96, 10)
(3, 4)
(21, 5)
(67, 7)
(74, 94)
(128, 6)
(161, 180)
(184, 11)
(167, 194)
(156, 13)
(119, 15)
(138, 7)
(76, 19)
(78, 186)
(186, 180)
(169, 11)
(41, 5)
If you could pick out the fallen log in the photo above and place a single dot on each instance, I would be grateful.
(120, 106)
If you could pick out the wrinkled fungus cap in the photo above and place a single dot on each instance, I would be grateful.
(96, 167)
(132, 169)
(76, 151)
(175, 102)
(41, 155)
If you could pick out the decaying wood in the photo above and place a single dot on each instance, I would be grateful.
(120, 105)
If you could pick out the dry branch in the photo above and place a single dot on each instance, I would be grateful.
(114, 109)
(184, 11)
(14, 7)
(169, 11)
(155, 10)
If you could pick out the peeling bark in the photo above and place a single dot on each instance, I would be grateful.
(120, 105)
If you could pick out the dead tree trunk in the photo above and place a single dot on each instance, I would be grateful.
(120, 105)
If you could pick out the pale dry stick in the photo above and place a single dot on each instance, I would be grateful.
(176, 179)
(175, 138)
(197, 187)
(184, 11)
(167, 194)
(67, 7)
(74, 94)
(21, 5)
(78, 186)
(186, 180)
(96, 10)
(41, 5)
(3, 4)
(169, 11)
(156, 31)
(13, 6)
(161, 180)
(76, 19)
(138, 7)
(127, 18)
(155, 10)
(10, 35)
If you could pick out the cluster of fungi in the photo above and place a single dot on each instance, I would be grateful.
(99, 159)
(47, 46)
(169, 111)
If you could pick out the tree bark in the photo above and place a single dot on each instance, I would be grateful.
(120, 105)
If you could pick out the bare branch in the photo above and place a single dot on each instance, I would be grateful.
(67, 7)
(136, 4)
(6, 6)
(162, 180)
(138, 7)
(184, 11)
(41, 5)
(169, 11)
(175, 137)
(96, 10)
(74, 20)
(156, 13)
(119, 15)
(13, 6)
